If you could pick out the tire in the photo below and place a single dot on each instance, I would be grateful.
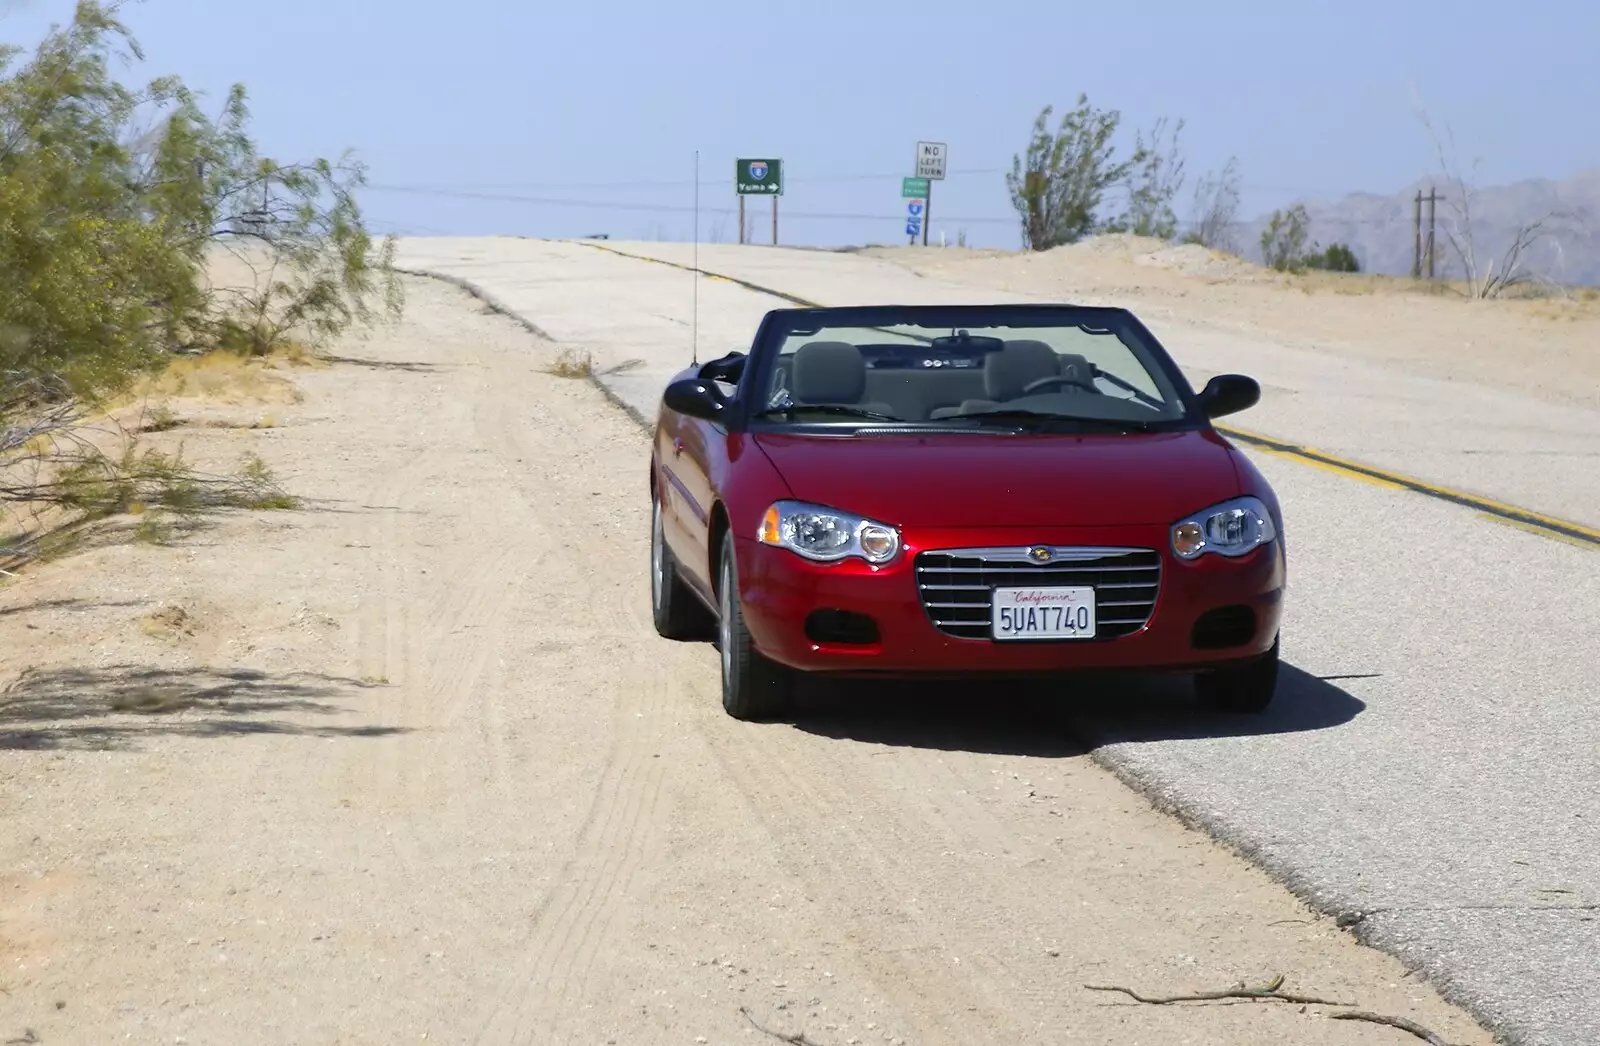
(678, 613)
(1246, 690)
(753, 688)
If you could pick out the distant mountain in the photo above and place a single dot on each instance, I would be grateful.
(1379, 228)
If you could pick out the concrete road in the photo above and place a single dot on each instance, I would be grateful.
(1495, 444)
(1429, 771)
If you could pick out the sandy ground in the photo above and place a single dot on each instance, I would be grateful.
(410, 764)
(1545, 348)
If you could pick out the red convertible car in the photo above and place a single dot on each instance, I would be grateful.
(962, 490)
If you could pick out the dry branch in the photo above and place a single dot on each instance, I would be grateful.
(1403, 1023)
(1503, 273)
(1270, 990)
(797, 1039)
(1216, 205)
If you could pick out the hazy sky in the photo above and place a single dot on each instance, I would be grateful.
(605, 103)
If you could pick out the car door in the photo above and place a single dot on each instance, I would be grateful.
(691, 454)
(677, 506)
(694, 461)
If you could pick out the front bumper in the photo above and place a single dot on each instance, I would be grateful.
(856, 619)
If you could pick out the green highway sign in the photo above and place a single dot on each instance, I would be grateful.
(759, 178)
(914, 188)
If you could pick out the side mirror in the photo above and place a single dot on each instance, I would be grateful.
(696, 398)
(1229, 394)
(727, 368)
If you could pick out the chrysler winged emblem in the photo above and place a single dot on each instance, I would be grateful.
(1040, 554)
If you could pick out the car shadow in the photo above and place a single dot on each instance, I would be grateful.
(1055, 718)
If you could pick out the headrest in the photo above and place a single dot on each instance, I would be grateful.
(829, 372)
(1076, 368)
(1007, 372)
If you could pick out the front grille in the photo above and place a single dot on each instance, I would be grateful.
(956, 584)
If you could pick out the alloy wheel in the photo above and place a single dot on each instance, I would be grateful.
(657, 564)
(725, 625)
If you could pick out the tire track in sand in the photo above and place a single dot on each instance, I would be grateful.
(381, 627)
(437, 664)
(621, 831)
(921, 878)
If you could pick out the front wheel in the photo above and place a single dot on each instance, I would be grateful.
(752, 686)
(1248, 689)
(677, 613)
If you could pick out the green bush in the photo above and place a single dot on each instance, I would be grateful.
(1059, 186)
(1283, 241)
(112, 197)
(105, 227)
(1336, 258)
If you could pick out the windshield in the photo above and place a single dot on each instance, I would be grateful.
(1064, 368)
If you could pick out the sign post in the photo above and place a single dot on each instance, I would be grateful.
(759, 177)
(916, 213)
(930, 168)
(915, 192)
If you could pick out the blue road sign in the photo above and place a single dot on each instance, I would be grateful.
(914, 208)
(913, 226)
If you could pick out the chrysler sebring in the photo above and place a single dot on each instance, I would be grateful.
(962, 491)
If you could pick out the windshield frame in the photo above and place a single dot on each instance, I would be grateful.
(778, 325)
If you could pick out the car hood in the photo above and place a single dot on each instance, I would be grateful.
(994, 479)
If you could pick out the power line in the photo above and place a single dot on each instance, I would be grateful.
(668, 208)
(385, 225)
(661, 208)
(674, 184)
(820, 179)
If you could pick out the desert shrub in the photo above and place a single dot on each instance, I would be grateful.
(1283, 241)
(1336, 257)
(113, 199)
(1060, 185)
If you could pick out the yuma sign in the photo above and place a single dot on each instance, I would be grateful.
(758, 177)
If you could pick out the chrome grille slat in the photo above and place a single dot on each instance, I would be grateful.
(1023, 568)
(955, 584)
(985, 588)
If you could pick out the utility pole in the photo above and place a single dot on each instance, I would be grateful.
(1416, 237)
(1433, 195)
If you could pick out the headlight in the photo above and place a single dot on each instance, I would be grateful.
(827, 534)
(1229, 529)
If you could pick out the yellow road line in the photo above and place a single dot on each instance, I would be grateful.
(1499, 511)
(1527, 519)
(1541, 531)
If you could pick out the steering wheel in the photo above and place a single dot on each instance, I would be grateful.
(1052, 380)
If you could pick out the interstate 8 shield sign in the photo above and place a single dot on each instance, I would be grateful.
(758, 177)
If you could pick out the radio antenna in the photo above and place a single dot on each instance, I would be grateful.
(694, 314)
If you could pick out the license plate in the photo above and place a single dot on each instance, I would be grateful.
(1042, 613)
